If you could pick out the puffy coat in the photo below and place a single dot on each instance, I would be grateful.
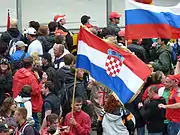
(26, 77)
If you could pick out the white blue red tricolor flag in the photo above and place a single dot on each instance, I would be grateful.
(150, 21)
(116, 68)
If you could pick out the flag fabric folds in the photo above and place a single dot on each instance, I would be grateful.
(116, 68)
(8, 20)
(150, 21)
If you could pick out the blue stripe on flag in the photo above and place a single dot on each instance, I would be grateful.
(100, 75)
(141, 16)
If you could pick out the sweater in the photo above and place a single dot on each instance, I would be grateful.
(83, 126)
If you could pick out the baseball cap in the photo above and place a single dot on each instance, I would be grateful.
(46, 55)
(3, 128)
(4, 61)
(121, 33)
(20, 44)
(60, 32)
(57, 18)
(30, 31)
(114, 15)
(84, 19)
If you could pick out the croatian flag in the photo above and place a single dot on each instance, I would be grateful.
(116, 68)
(150, 21)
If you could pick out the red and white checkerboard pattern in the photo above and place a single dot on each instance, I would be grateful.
(113, 66)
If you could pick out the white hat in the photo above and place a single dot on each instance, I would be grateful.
(30, 31)
(20, 44)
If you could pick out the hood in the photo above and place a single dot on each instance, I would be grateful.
(164, 48)
(23, 73)
(20, 99)
(14, 32)
(112, 117)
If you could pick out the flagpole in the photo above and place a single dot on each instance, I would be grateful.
(74, 90)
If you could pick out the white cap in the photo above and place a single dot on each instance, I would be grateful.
(30, 31)
(20, 44)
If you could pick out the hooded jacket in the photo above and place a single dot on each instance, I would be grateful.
(26, 77)
(163, 63)
(113, 125)
(14, 32)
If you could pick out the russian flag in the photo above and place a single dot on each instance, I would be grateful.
(149, 21)
(116, 68)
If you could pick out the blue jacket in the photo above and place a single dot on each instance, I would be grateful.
(17, 55)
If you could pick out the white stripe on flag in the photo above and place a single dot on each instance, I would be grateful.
(131, 80)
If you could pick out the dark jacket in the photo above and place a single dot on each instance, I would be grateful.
(14, 32)
(153, 115)
(45, 43)
(139, 51)
(163, 63)
(65, 74)
(51, 39)
(50, 71)
(113, 28)
(69, 39)
(5, 85)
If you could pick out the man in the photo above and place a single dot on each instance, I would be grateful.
(35, 45)
(47, 66)
(4, 129)
(51, 103)
(61, 20)
(163, 63)
(25, 76)
(138, 50)
(64, 77)
(20, 50)
(113, 24)
(85, 21)
(51, 37)
(173, 115)
(23, 127)
(12, 32)
(58, 53)
(78, 121)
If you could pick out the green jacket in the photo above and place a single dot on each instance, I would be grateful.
(163, 63)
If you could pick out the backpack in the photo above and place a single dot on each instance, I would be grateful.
(12, 42)
(17, 64)
(36, 132)
(128, 120)
(65, 96)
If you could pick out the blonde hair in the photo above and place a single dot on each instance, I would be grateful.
(13, 23)
(36, 58)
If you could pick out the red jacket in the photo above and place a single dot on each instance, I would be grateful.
(83, 125)
(173, 114)
(26, 77)
(145, 94)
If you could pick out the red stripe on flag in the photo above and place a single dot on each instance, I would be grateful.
(131, 61)
(8, 20)
(140, 31)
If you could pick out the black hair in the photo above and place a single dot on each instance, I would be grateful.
(68, 59)
(165, 40)
(50, 86)
(52, 26)
(34, 24)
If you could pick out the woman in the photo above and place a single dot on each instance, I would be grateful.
(157, 78)
(5, 79)
(112, 120)
(7, 111)
(152, 114)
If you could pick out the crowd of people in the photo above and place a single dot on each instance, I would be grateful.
(37, 73)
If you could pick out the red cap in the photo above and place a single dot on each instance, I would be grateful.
(175, 77)
(57, 18)
(60, 32)
(114, 15)
(121, 33)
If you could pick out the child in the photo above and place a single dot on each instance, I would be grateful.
(24, 100)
